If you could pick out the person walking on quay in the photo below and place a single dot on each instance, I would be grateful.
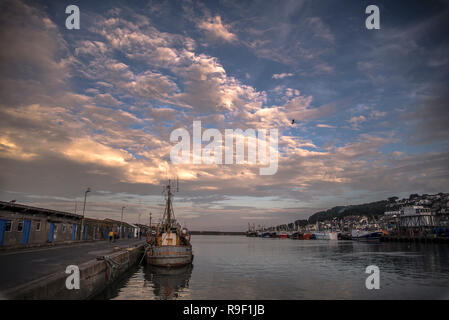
(111, 235)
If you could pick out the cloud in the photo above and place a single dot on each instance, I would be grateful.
(149, 85)
(322, 68)
(216, 30)
(356, 121)
(322, 125)
(320, 29)
(106, 99)
(45, 60)
(430, 121)
(377, 114)
(282, 75)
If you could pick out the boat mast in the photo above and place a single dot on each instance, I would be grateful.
(168, 205)
(170, 215)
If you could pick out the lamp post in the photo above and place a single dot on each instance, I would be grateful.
(121, 223)
(139, 235)
(84, 209)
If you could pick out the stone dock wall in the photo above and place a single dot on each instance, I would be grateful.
(95, 276)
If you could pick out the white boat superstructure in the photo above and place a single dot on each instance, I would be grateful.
(326, 235)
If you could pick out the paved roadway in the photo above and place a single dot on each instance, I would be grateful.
(22, 266)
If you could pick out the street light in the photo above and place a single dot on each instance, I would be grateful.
(84, 209)
(121, 223)
(139, 227)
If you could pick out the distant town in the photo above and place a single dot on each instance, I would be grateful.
(417, 216)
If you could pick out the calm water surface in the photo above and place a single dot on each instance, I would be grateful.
(237, 267)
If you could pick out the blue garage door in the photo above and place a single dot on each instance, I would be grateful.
(52, 232)
(26, 231)
(74, 232)
(2, 230)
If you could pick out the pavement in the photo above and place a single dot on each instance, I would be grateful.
(19, 267)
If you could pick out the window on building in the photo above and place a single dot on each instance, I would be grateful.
(20, 226)
(38, 226)
(8, 226)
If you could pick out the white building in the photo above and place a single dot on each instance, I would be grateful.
(416, 216)
(392, 213)
(416, 211)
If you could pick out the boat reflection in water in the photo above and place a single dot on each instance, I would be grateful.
(168, 283)
(147, 282)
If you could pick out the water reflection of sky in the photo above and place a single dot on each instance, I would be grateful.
(231, 267)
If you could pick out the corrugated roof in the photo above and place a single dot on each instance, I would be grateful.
(15, 207)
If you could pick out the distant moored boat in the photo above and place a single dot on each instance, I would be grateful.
(326, 235)
(366, 235)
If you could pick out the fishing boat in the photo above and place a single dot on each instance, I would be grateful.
(170, 247)
(296, 235)
(282, 234)
(366, 235)
(266, 234)
(326, 235)
(251, 231)
(344, 236)
(308, 236)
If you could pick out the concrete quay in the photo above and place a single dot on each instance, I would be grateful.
(39, 273)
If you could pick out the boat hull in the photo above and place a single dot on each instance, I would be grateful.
(367, 236)
(326, 235)
(169, 256)
(308, 236)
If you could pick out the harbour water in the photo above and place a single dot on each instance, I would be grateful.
(237, 267)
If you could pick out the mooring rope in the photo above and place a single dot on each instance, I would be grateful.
(113, 265)
(147, 247)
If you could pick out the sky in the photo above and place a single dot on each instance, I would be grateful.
(95, 107)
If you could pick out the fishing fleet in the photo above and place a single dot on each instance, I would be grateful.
(365, 233)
